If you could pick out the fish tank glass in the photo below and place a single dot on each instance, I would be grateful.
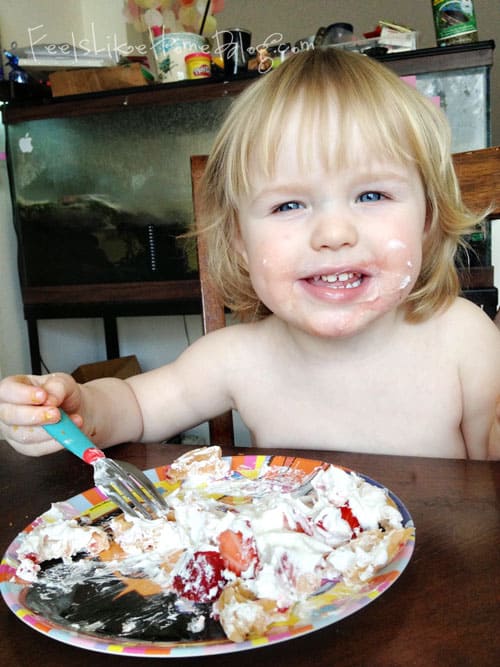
(104, 198)
(464, 96)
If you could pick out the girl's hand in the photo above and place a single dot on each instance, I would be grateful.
(29, 401)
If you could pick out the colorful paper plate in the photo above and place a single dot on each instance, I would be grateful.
(329, 606)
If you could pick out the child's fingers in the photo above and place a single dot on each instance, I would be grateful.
(63, 391)
(57, 386)
(50, 390)
(27, 415)
(31, 400)
(22, 389)
(27, 402)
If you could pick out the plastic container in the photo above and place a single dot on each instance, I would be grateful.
(198, 66)
(338, 33)
(170, 49)
(454, 21)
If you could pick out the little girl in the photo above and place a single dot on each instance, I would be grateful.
(333, 217)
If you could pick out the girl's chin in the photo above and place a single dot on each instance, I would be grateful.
(343, 322)
(342, 329)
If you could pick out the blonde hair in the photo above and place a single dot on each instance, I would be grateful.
(392, 117)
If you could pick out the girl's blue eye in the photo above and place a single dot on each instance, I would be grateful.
(288, 206)
(370, 197)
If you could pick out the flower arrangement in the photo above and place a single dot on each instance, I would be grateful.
(165, 16)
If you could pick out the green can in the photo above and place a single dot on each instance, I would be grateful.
(454, 21)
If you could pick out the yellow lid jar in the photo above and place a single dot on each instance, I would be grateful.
(198, 65)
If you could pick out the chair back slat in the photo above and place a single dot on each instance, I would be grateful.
(221, 428)
(479, 175)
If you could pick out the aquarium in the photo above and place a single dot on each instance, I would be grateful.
(104, 198)
(464, 96)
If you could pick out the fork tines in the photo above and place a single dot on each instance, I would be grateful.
(129, 488)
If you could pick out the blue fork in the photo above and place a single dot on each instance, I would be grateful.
(123, 483)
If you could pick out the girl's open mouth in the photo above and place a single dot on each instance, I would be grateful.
(344, 280)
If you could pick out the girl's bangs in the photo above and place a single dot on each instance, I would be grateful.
(334, 127)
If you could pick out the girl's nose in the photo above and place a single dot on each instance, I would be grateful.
(333, 229)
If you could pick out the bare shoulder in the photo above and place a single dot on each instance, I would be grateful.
(465, 324)
(241, 332)
(233, 344)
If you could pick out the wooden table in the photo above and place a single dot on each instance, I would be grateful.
(444, 609)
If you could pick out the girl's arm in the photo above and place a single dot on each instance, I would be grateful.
(151, 406)
(192, 389)
(479, 363)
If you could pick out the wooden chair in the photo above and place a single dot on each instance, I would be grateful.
(479, 175)
(221, 428)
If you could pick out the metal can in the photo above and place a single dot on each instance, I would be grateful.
(454, 21)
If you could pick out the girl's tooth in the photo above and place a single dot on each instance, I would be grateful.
(343, 277)
(345, 284)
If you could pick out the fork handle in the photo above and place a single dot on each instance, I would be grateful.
(71, 437)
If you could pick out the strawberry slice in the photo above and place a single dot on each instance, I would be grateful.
(32, 557)
(239, 552)
(347, 514)
(201, 577)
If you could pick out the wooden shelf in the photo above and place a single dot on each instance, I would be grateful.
(420, 61)
(17, 111)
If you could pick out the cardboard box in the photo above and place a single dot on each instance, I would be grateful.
(93, 80)
(122, 368)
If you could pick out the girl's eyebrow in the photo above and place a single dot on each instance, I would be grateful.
(284, 187)
(381, 173)
(279, 190)
(358, 178)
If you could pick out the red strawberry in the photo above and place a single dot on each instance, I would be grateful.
(238, 552)
(32, 556)
(201, 578)
(347, 515)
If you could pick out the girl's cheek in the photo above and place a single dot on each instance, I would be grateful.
(399, 272)
(403, 261)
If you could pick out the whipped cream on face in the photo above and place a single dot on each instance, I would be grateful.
(256, 559)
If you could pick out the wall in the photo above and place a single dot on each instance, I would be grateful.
(13, 337)
(57, 21)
